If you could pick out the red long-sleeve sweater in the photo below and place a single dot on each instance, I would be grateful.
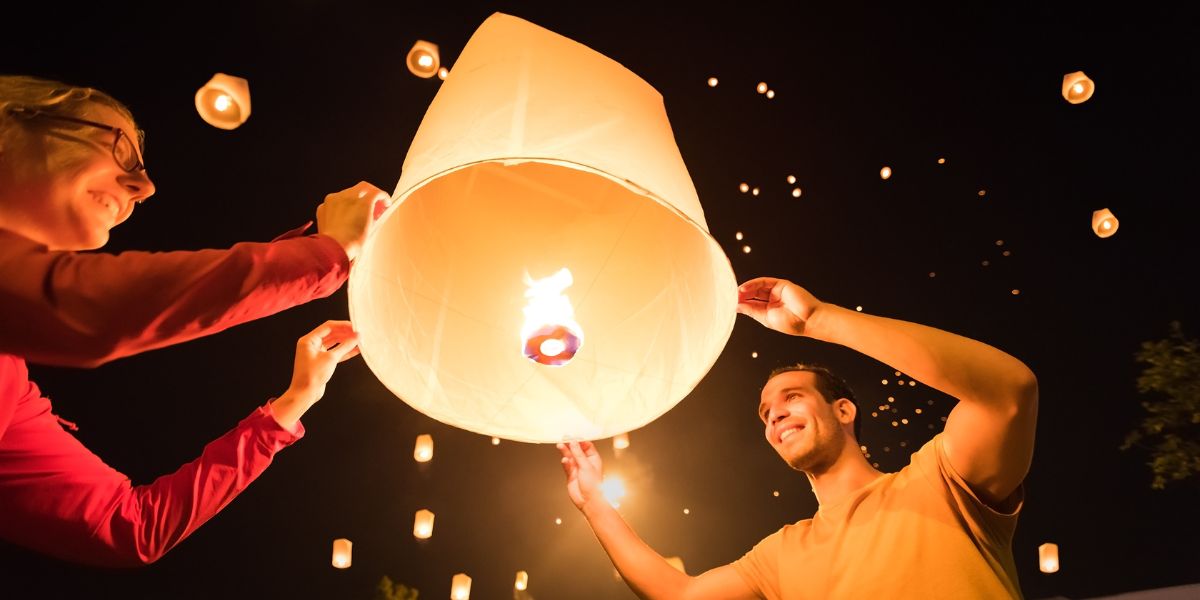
(84, 309)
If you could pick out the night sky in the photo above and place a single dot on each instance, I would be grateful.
(994, 244)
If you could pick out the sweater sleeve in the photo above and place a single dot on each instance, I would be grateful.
(85, 309)
(60, 499)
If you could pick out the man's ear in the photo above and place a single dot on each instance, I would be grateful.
(845, 410)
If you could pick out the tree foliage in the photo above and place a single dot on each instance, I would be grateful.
(394, 590)
(1171, 429)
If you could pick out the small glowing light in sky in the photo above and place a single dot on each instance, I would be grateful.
(891, 398)
(985, 263)
(1016, 292)
(982, 193)
(739, 236)
(425, 61)
(775, 493)
(796, 193)
(754, 191)
(222, 102)
(1048, 554)
(770, 93)
(858, 308)
(762, 87)
(883, 381)
(522, 581)
(897, 373)
(899, 382)
(558, 521)
(443, 73)
(613, 489)
(941, 161)
(932, 274)
(745, 187)
(863, 448)
(712, 82)
(895, 424)
(903, 444)
(621, 441)
(918, 411)
(495, 441)
(885, 172)
(874, 414)
(753, 355)
(999, 242)
(791, 179)
(423, 451)
(687, 512)
(905, 421)
(912, 384)
(746, 249)
(1006, 253)
(1106, 224)
(1077, 88)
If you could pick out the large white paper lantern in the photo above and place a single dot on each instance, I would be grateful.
(541, 155)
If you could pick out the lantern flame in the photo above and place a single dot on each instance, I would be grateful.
(550, 335)
(222, 102)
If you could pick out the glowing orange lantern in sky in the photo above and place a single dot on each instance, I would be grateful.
(541, 155)
(423, 524)
(1077, 88)
(423, 59)
(224, 102)
(341, 553)
(1104, 224)
(522, 581)
(1048, 558)
(423, 450)
(460, 587)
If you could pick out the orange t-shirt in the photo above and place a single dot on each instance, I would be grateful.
(920, 533)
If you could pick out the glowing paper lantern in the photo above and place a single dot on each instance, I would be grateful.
(621, 442)
(761, 87)
(1048, 558)
(539, 155)
(676, 562)
(443, 73)
(224, 102)
(423, 451)
(1077, 88)
(885, 173)
(423, 60)
(341, 553)
(522, 581)
(460, 587)
(1104, 223)
(423, 524)
(712, 82)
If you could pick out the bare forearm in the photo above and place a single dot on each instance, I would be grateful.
(961, 367)
(646, 572)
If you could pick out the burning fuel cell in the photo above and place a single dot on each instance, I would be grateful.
(550, 335)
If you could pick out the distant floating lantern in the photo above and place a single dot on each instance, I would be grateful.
(746, 249)
(770, 93)
(423, 524)
(443, 73)
(224, 102)
(754, 355)
(1048, 558)
(460, 587)
(621, 442)
(941, 161)
(495, 441)
(796, 192)
(745, 187)
(423, 59)
(423, 451)
(712, 82)
(1104, 224)
(762, 87)
(522, 581)
(753, 191)
(544, 179)
(791, 179)
(885, 173)
(1077, 88)
(676, 562)
(341, 553)
(739, 236)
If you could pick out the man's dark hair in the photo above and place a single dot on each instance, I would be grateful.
(830, 386)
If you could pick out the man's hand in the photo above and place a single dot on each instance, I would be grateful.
(778, 304)
(317, 355)
(581, 463)
(347, 216)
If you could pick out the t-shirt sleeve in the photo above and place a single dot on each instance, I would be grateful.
(759, 567)
(989, 525)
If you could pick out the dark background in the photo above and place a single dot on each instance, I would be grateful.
(858, 88)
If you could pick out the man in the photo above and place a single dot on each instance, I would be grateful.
(940, 528)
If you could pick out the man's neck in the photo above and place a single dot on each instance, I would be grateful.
(848, 473)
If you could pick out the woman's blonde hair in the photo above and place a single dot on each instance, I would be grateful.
(35, 93)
